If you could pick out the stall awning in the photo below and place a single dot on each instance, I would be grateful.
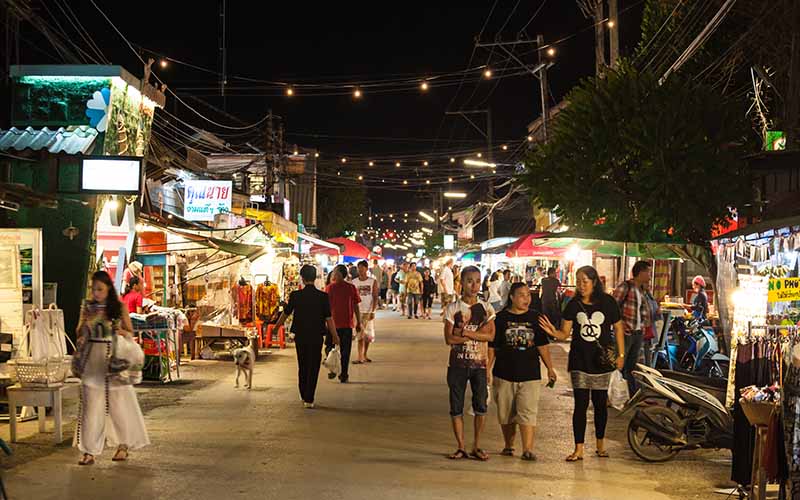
(284, 231)
(347, 248)
(252, 252)
(526, 246)
(317, 242)
(647, 250)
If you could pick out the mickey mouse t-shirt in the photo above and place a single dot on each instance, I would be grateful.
(463, 317)
(590, 323)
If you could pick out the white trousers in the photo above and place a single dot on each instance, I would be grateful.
(123, 425)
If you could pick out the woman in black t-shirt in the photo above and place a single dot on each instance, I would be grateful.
(590, 318)
(517, 379)
(428, 289)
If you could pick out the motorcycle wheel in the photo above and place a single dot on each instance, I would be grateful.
(643, 446)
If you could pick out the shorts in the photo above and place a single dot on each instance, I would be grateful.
(383, 294)
(403, 296)
(367, 327)
(427, 301)
(517, 402)
(457, 379)
(391, 294)
(593, 382)
(447, 298)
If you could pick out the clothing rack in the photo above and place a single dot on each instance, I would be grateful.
(156, 335)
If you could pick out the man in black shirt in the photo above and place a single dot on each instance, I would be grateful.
(312, 317)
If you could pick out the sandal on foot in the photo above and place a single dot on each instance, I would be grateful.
(574, 458)
(529, 456)
(458, 455)
(86, 460)
(368, 360)
(479, 454)
(357, 362)
(121, 455)
(507, 452)
(601, 454)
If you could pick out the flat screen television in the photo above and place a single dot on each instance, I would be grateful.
(111, 175)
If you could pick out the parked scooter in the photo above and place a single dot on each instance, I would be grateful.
(672, 416)
(695, 350)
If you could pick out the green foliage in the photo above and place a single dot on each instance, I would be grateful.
(645, 158)
(339, 209)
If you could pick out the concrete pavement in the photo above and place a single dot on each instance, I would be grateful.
(383, 435)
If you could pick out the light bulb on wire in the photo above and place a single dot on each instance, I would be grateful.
(357, 93)
(163, 63)
(425, 163)
(290, 91)
(372, 164)
(397, 164)
(611, 23)
(551, 51)
(487, 73)
(344, 160)
(424, 86)
(452, 160)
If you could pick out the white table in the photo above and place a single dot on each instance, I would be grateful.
(42, 398)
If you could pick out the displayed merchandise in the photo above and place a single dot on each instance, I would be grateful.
(267, 300)
(243, 301)
(291, 278)
(159, 337)
(42, 358)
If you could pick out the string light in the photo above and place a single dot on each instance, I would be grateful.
(357, 93)
(295, 152)
(397, 164)
(427, 181)
(551, 52)
(344, 160)
(487, 73)
(163, 63)
(480, 155)
(338, 173)
(316, 155)
(361, 177)
(425, 163)
(290, 91)
(505, 147)
(530, 138)
(452, 160)
(372, 164)
(472, 176)
(611, 24)
(424, 86)
(449, 179)
(405, 182)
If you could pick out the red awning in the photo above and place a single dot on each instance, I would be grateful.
(349, 248)
(525, 246)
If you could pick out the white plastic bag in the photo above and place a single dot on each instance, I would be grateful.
(618, 390)
(127, 349)
(334, 361)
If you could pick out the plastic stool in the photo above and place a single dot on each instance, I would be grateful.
(281, 340)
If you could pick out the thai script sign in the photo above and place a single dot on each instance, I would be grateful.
(784, 289)
(204, 199)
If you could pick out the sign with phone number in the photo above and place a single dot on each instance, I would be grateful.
(784, 289)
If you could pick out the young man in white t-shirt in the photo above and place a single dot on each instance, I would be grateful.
(447, 285)
(468, 328)
(369, 293)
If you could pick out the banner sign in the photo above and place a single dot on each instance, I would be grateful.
(784, 289)
(204, 199)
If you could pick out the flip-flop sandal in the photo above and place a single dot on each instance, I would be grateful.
(479, 454)
(529, 456)
(357, 362)
(574, 458)
(86, 460)
(458, 455)
(507, 452)
(369, 360)
(601, 454)
(120, 456)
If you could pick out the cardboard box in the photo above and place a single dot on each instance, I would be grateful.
(208, 331)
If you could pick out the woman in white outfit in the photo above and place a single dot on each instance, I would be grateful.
(109, 410)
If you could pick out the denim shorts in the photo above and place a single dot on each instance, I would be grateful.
(457, 379)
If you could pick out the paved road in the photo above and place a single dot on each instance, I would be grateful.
(383, 435)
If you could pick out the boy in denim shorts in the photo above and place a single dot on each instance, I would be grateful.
(468, 327)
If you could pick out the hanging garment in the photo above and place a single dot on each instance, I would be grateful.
(243, 303)
(791, 420)
(267, 299)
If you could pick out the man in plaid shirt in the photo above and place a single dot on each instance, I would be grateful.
(632, 299)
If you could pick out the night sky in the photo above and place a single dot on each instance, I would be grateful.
(303, 42)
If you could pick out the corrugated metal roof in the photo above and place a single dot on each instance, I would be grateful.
(72, 140)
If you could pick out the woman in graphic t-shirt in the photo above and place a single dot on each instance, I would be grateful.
(590, 318)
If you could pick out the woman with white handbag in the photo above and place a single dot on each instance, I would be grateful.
(108, 362)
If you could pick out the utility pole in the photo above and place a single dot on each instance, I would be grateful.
(613, 27)
(269, 159)
(793, 95)
(543, 88)
(223, 53)
(490, 154)
(594, 9)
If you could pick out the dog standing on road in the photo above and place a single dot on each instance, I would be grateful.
(245, 359)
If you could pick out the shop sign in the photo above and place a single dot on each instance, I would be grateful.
(784, 289)
(449, 242)
(204, 199)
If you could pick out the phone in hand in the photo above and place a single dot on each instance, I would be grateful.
(551, 384)
(458, 324)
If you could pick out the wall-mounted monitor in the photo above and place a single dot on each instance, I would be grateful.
(111, 175)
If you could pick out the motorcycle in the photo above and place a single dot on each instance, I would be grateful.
(696, 350)
(672, 416)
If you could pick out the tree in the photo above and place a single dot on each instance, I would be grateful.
(340, 209)
(650, 161)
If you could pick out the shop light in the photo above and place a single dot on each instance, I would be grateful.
(426, 216)
(479, 163)
(572, 253)
(451, 194)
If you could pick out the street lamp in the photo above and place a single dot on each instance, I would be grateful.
(451, 194)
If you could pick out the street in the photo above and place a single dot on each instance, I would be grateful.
(385, 433)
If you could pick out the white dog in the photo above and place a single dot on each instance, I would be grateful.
(245, 358)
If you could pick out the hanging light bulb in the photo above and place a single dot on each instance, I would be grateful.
(405, 182)
(372, 164)
(357, 93)
(397, 164)
(344, 160)
(425, 163)
(449, 179)
(163, 63)
(361, 177)
(290, 91)
(505, 147)
(424, 86)
(487, 73)
(316, 155)
(427, 181)
(551, 52)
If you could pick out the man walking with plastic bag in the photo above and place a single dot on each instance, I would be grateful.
(312, 320)
(631, 295)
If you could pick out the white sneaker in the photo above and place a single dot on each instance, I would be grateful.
(308, 406)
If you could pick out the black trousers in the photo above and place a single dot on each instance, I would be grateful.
(599, 401)
(309, 358)
(345, 345)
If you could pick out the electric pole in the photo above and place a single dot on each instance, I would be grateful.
(793, 96)
(543, 88)
(269, 158)
(223, 53)
(613, 26)
(594, 9)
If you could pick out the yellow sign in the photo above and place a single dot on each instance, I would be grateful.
(284, 231)
(784, 289)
